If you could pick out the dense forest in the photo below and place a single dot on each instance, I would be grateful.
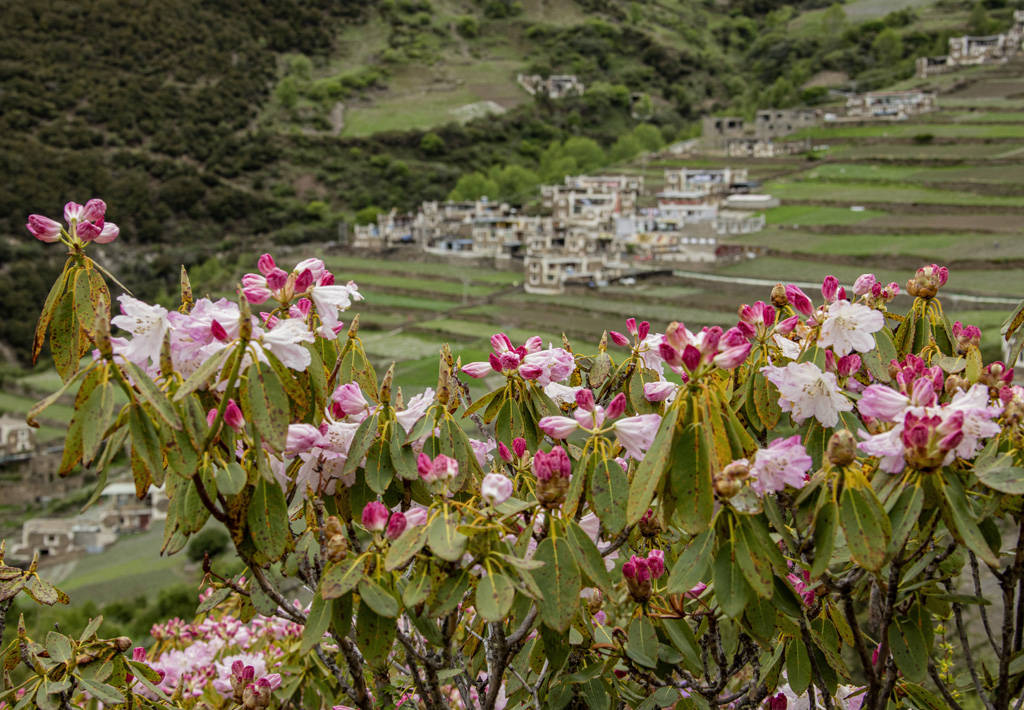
(161, 109)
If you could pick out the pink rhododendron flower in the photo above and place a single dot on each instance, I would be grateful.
(147, 325)
(375, 516)
(636, 434)
(799, 300)
(805, 391)
(558, 427)
(784, 462)
(848, 327)
(547, 366)
(285, 340)
(415, 408)
(440, 468)
(43, 228)
(396, 525)
(660, 391)
(496, 488)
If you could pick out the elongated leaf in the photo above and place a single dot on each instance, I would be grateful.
(405, 547)
(102, 692)
(444, 538)
(378, 598)
(268, 519)
(690, 478)
(362, 440)
(559, 578)
(42, 405)
(798, 666)
(231, 479)
(908, 650)
(265, 404)
(651, 470)
(201, 377)
(588, 557)
(963, 519)
(642, 643)
(731, 588)
(904, 515)
(494, 596)
(824, 537)
(379, 469)
(317, 621)
(684, 640)
(692, 566)
(152, 394)
(340, 578)
(49, 307)
(1000, 474)
(755, 567)
(608, 488)
(865, 526)
(375, 635)
(64, 335)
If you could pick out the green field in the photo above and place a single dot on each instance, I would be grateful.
(859, 192)
(808, 215)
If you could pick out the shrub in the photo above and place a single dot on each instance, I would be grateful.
(211, 541)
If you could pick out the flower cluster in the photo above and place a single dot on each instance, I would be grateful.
(529, 360)
(84, 224)
(640, 573)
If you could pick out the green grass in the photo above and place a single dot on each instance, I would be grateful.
(909, 130)
(18, 405)
(376, 298)
(130, 567)
(982, 174)
(473, 329)
(431, 286)
(944, 247)
(968, 152)
(810, 215)
(854, 193)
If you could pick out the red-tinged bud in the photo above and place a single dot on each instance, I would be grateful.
(304, 281)
(266, 264)
(94, 211)
(631, 326)
(617, 407)
(848, 364)
(779, 700)
(656, 563)
(88, 231)
(504, 453)
(788, 325)
(519, 446)
(778, 296)
(649, 525)
(585, 399)
(396, 526)
(643, 329)
(618, 338)
(233, 416)
(276, 279)
(668, 353)
(43, 228)
(375, 516)
(799, 300)
(830, 288)
(218, 331)
(495, 362)
(691, 358)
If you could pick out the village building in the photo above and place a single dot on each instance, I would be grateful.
(718, 131)
(556, 86)
(751, 147)
(391, 229)
(16, 437)
(889, 105)
(969, 50)
(703, 181)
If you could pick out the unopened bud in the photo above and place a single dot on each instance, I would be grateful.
(337, 548)
(842, 448)
(333, 526)
(779, 299)
(186, 291)
(166, 361)
(650, 525)
(353, 327)
(385, 385)
(122, 643)
(737, 470)
(726, 487)
(954, 383)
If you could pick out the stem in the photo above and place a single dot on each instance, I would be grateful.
(825, 695)
(858, 637)
(962, 635)
(976, 576)
(942, 687)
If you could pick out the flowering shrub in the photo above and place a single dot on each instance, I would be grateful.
(800, 510)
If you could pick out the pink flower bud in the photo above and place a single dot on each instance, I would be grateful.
(501, 343)
(864, 284)
(617, 407)
(504, 452)
(108, 234)
(585, 399)
(830, 288)
(375, 516)
(631, 326)
(799, 300)
(691, 358)
(277, 278)
(733, 357)
(218, 331)
(415, 516)
(519, 446)
(788, 325)
(326, 279)
(509, 361)
(139, 654)
(656, 563)
(266, 264)
(541, 466)
(94, 210)
(533, 344)
(695, 591)
(629, 569)
(618, 338)
(477, 369)
(396, 526)
(72, 211)
(558, 427)
(560, 462)
(304, 281)
(87, 231)
(233, 416)
(848, 364)
(659, 391)
(424, 466)
(43, 228)
(643, 329)
(496, 488)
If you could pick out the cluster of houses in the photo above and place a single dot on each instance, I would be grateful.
(968, 50)
(556, 86)
(595, 228)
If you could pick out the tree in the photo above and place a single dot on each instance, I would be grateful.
(432, 144)
(585, 151)
(287, 92)
(888, 46)
(626, 147)
(978, 22)
(368, 215)
(473, 186)
(649, 137)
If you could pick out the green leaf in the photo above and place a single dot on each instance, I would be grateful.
(146, 441)
(588, 557)
(405, 547)
(340, 578)
(642, 642)
(379, 469)
(690, 478)
(824, 537)
(731, 589)
(58, 646)
(231, 479)
(375, 635)
(152, 394)
(362, 440)
(608, 488)
(97, 414)
(268, 519)
(684, 640)
(651, 470)
(754, 566)
(102, 692)
(265, 404)
(798, 666)
(44, 592)
(904, 514)
(766, 401)
(692, 566)
(378, 598)
(417, 589)
(402, 456)
(64, 335)
(560, 580)
(444, 538)
(908, 649)
(865, 526)
(1000, 474)
(317, 621)
(963, 519)
(494, 596)
(49, 308)
(43, 404)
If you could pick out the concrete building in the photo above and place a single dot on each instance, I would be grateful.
(768, 124)
(16, 437)
(889, 105)
(968, 50)
(556, 86)
(704, 181)
(764, 147)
